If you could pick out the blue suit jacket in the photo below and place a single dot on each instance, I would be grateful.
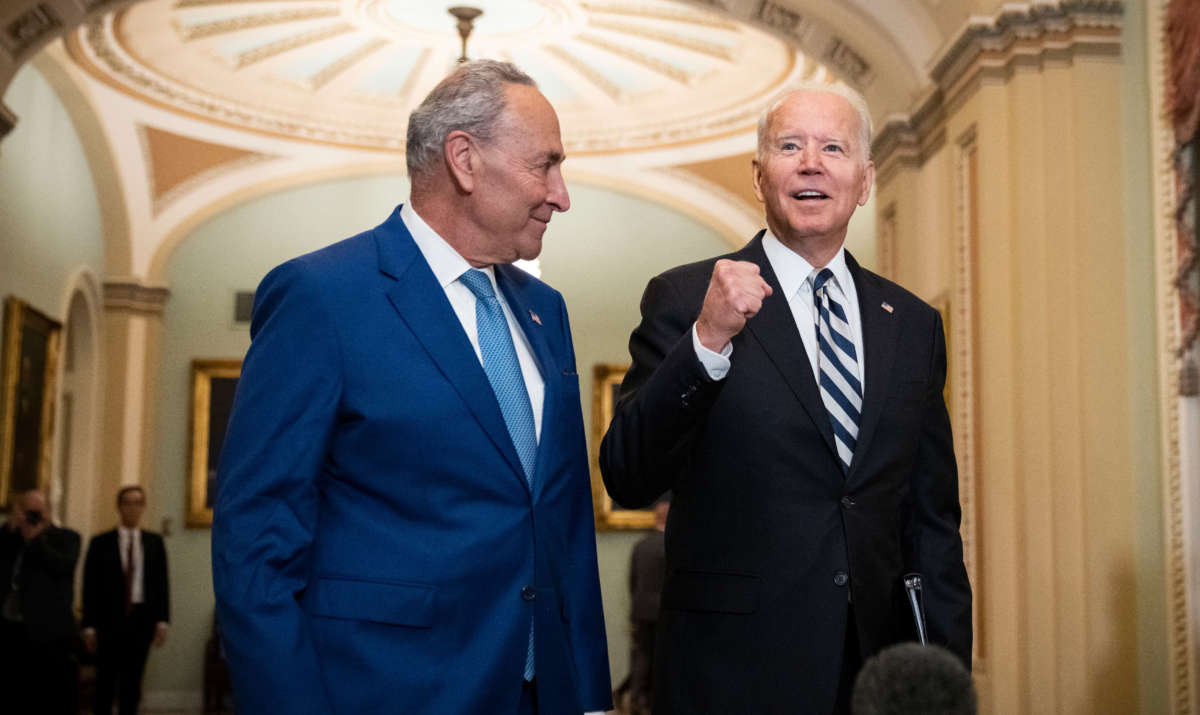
(376, 548)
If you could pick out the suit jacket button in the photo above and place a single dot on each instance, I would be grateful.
(528, 593)
(847, 502)
(841, 578)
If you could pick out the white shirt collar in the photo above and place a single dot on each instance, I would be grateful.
(447, 264)
(793, 270)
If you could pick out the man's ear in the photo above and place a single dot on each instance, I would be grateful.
(867, 182)
(462, 160)
(756, 177)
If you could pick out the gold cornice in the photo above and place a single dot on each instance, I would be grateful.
(133, 296)
(1018, 36)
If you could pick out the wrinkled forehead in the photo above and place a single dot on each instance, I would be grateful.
(799, 108)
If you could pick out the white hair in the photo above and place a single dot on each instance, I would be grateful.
(470, 99)
(866, 127)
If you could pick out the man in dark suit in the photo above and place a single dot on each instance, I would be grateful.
(38, 673)
(793, 403)
(126, 604)
(647, 569)
(403, 520)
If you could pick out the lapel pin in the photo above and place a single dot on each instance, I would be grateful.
(886, 306)
(534, 317)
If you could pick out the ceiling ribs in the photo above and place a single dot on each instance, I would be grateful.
(589, 72)
(278, 47)
(712, 49)
(648, 61)
(245, 22)
(345, 62)
(660, 13)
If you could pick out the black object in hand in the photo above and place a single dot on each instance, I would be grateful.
(33, 517)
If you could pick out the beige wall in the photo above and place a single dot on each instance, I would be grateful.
(1029, 239)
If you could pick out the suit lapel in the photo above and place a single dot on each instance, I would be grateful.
(880, 329)
(774, 327)
(422, 304)
(514, 284)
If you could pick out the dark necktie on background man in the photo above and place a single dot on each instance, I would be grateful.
(504, 373)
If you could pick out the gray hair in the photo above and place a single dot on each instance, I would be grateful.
(470, 99)
(866, 128)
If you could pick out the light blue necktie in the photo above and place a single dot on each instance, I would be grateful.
(841, 390)
(504, 372)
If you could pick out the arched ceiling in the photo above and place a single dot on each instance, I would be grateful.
(622, 74)
(194, 105)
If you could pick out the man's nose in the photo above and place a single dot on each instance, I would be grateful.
(558, 198)
(810, 160)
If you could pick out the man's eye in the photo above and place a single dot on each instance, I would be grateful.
(834, 147)
(789, 146)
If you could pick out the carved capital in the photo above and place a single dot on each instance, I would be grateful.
(132, 296)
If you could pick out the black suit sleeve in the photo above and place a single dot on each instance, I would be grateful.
(933, 545)
(92, 589)
(55, 551)
(157, 584)
(663, 400)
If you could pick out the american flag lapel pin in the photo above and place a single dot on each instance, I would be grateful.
(534, 317)
(886, 306)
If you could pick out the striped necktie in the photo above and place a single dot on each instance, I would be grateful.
(504, 373)
(841, 390)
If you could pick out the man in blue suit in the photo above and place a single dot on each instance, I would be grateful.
(403, 521)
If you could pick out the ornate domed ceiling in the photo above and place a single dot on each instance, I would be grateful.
(623, 74)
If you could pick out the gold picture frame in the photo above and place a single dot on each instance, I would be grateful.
(606, 383)
(28, 395)
(213, 385)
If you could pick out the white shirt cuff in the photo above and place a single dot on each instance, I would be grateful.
(715, 364)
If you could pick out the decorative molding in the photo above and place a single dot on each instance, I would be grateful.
(245, 22)
(29, 29)
(780, 18)
(640, 58)
(103, 49)
(885, 251)
(659, 12)
(133, 296)
(1019, 35)
(695, 44)
(961, 362)
(1177, 537)
(345, 62)
(844, 59)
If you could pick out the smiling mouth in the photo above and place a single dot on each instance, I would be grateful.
(809, 196)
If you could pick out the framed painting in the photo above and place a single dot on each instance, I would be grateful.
(213, 385)
(606, 384)
(28, 374)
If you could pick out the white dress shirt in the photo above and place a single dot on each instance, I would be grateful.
(796, 277)
(124, 536)
(448, 265)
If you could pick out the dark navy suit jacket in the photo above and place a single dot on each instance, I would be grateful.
(767, 537)
(376, 548)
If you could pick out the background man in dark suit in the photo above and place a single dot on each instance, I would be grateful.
(647, 569)
(404, 518)
(126, 603)
(38, 673)
(793, 403)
